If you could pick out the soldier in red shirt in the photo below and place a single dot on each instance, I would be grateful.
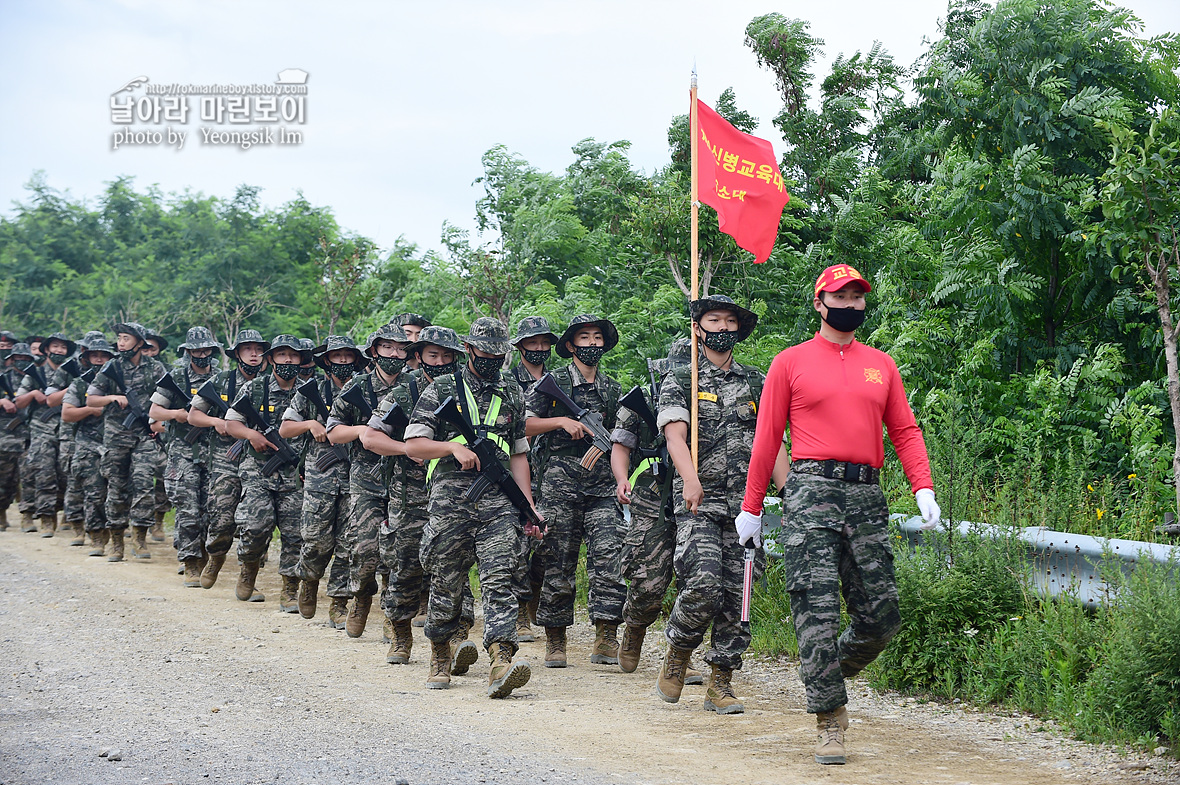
(836, 394)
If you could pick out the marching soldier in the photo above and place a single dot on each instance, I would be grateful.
(324, 518)
(40, 392)
(130, 452)
(19, 358)
(13, 431)
(75, 514)
(274, 500)
(489, 528)
(155, 345)
(86, 462)
(188, 450)
(225, 486)
(709, 559)
(412, 325)
(579, 503)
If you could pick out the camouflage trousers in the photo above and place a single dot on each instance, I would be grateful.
(401, 542)
(835, 540)
(530, 571)
(130, 473)
(265, 506)
(189, 481)
(647, 553)
(709, 565)
(225, 492)
(74, 511)
(49, 474)
(162, 495)
(368, 513)
(28, 484)
(9, 477)
(86, 474)
(456, 535)
(323, 527)
(573, 517)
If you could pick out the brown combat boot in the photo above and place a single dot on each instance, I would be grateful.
(420, 616)
(524, 631)
(692, 675)
(308, 594)
(288, 602)
(27, 524)
(358, 615)
(139, 547)
(606, 644)
(192, 573)
(401, 643)
(719, 697)
(212, 569)
(440, 666)
(79, 534)
(244, 591)
(338, 613)
(555, 647)
(670, 682)
(116, 536)
(466, 653)
(506, 675)
(98, 542)
(831, 726)
(157, 529)
(631, 647)
(48, 525)
(387, 630)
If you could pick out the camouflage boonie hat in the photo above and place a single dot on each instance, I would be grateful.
(199, 337)
(99, 344)
(285, 341)
(531, 327)
(247, 336)
(437, 336)
(402, 319)
(131, 328)
(387, 332)
(334, 343)
(91, 335)
(307, 344)
(71, 346)
(153, 335)
(747, 319)
(9, 335)
(21, 348)
(488, 335)
(679, 354)
(610, 336)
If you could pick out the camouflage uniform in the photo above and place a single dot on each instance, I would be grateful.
(49, 471)
(272, 501)
(12, 448)
(459, 531)
(579, 505)
(86, 462)
(225, 485)
(709, 560)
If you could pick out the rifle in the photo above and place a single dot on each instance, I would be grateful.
(208, 392)
(338, 452)
(395, 418)
(135, 413)
(356, 396)
(635, 401)
(284, 455)
(600, 439)
(7, 390)
(491, 471)
(169, 385)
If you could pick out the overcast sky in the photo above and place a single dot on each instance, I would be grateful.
(402, 97)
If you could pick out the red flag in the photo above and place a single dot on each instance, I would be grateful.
(739, 178)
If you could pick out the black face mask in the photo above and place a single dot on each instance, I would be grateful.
(201, 362)
(391, 365)
(306, 373)
(249, 370)
(535, 356)
(721, 341)
(589, 355)
(487, 367)
(129, 354)
(287, 372)
(57, 358)
(844, 320)
(435, 371)
(342, 371)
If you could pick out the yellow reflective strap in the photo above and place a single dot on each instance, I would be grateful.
(643, 466)
(488, 420)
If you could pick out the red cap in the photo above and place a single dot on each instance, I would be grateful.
(837, 277)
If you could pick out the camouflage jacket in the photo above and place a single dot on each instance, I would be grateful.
(139, 378)
(602, 396)
(523, 378)
(14, 440)
(89, 429)
(367, 474)
(55, 379)
(633, 432)
(407, 478)
(335, 479)
(189, 382)
(271, 400)
(228, 383)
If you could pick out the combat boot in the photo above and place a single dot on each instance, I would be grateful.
(192, 573)
(631, 647)
(606, 644)
(506, 675)
(670, 682)
(244, 591)
(79, 534)
(387, 630)
(116, 545)
(139, 547)
(524, 631)
(338, 613)
(288, 602)
(440, 666)
(719, 697)
(401, 643)
(308, 591)
(157, 530)
(420, 616)
(831, 726)
(466, 653)
(692, 675)
(212, 569)
(358, 615)
(98, 542)
(27, 524)
(555, 647)
(4, 520)
(48, 525)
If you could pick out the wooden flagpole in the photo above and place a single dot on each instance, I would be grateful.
(694, 133)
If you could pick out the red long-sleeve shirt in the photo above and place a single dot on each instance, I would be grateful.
(836, 400)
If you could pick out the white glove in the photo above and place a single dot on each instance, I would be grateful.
(931, 512)
(749, 527)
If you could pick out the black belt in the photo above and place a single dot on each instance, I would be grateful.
(839, 470)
